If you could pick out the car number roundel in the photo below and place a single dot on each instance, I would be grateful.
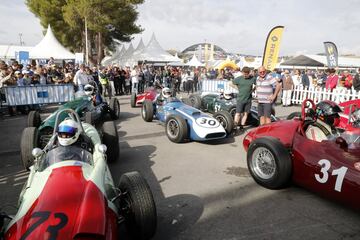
(207, 122)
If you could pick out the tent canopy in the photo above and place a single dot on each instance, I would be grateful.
(309, 60)
(48, 47)
(194, 62)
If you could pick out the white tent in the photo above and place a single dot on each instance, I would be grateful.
(9, 51)
(194, 62)
(124, 60)
(177, 58)
(314, 61)
(153, 52)
(114, 57)
(48, 47)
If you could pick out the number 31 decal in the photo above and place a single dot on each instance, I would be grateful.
(340, 173)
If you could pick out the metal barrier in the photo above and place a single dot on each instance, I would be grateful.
(38, 94)
(217, 86)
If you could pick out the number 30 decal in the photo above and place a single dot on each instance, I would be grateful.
(340, 173)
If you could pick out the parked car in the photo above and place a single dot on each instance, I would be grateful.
(138, 99)
(214, 102)
(280, 153)
(70, 194)
(183, 122)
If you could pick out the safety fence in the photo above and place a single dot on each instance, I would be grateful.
(299, 93)
(38, 94)
(337, 95)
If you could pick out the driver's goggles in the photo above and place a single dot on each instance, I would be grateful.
(67, 131)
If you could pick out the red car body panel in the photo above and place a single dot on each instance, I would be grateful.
(283, 130)
(306, 154)
(149, 94)
(69, 206)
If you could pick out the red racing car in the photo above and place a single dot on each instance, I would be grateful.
(280, 153)
(138, 99)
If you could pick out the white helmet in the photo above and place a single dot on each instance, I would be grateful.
(166, 92)
(227, 94)
(68, 132)
(89, 89)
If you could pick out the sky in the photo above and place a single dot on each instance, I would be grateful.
(238, 26)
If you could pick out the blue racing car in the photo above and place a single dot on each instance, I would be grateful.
(183, 122)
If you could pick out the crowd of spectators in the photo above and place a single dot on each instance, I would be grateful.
(115, 80)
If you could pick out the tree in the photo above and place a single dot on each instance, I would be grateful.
(107, 21)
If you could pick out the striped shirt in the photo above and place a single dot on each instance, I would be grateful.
(265, 88)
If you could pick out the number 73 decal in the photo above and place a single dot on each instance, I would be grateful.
(339, 173)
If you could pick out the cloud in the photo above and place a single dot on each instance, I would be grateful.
(236, 26)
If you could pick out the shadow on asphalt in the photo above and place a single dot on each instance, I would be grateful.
(175, 213)
(124, 116)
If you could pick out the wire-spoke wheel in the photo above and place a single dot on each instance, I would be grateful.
(264, 163)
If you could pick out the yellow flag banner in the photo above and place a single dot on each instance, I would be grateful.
(272, 47)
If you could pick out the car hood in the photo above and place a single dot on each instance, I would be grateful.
(283, 130)
(68, 205)
(185, 108)
(77, 104)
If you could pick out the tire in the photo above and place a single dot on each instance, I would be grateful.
(176, 128)
(29, 141)
(232, 112)
(294, 115)
(111, 140)
(147, 111)
(253, 118)
(88, 118)
(133, 100)
(115, 108)
(34, 119)
(137, 205)
(281, 162)
(226, 120)
(195, 101)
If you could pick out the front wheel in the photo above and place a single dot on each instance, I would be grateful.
(114, 108)
(29, 141)
(225, 120)
(147, 111)
(137, 206)
(176, 129)
(133, 100)
(111, 140)
(269, 163)
(34, 119)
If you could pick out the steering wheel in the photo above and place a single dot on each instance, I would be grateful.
(306, 106)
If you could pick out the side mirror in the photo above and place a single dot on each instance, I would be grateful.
(102, 148)
(36, 152)
(341, 142)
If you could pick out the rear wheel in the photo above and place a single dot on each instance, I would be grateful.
(111, 140)
(137, 205)
(147, 111)
(133, 100)
(176, 129)
(115, 108)
(225, 120)
(269, 163)
(34, 119)
(195, 101)
(29, 141)
(232, 112)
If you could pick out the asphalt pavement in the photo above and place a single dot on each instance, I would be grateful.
(202, 190)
